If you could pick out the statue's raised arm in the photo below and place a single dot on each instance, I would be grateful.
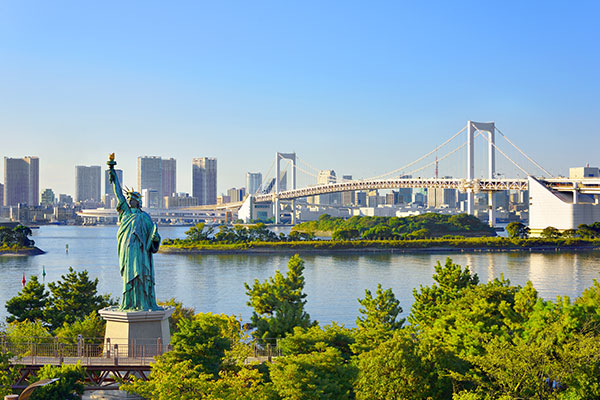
(114, 179)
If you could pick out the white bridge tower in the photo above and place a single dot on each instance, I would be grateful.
(488, 128)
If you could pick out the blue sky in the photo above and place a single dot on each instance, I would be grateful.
(358, 87)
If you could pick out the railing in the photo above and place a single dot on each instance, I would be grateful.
(104, 352)
(267, 350)
(88, 351)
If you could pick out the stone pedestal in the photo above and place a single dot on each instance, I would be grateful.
(136, 333)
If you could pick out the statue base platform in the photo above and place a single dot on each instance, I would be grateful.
(136, 333)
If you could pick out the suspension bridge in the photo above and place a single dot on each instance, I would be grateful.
(402, 177)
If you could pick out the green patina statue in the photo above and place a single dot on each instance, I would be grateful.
(138, 239)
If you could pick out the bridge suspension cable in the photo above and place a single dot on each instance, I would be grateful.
(420, 158)
(504, 154)
(307, 164)
(440, 159)
(265, 179)
(305, 171)
(523, 153)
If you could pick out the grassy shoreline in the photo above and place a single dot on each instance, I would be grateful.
(486, 244)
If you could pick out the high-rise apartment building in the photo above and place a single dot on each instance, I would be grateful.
(204, 180)
(1, 193)
(437, 198)
(157, 174)
(21, 181)
(108, 189)
(347, 197)
(253, 182)
(150, 174)
(169, 176)
(48, 198)
(236, 194)
(327, 176)
(88, 183)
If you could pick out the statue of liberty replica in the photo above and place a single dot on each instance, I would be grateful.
(138, 318)
(138, 239)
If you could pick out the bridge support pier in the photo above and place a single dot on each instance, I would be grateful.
(277, 211)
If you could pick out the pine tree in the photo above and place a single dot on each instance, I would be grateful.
(29, 304)
(279, 302)
(74, 298)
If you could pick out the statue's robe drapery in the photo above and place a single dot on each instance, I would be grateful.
(137, 239)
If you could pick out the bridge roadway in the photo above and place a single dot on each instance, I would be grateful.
(464, 185)
(584, 186)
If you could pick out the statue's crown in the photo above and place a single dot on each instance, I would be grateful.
(132, 194)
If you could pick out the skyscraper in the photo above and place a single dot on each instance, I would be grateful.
(108, 189)
(157, 174)
(150, 174)
(169, 176)
(253, 182)
(21, 181)
(88, 183)
(204, 180)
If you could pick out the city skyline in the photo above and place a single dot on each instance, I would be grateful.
(378, 84)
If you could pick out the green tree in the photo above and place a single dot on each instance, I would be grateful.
(74, 298)
(29, 304)
(91, 326)
(449, 281)
(569, 233)
(345, 234)
(395, 370)
(180, 313)
(171, 380)
(197, 233)
(379, 319)
(550, 232)
(22, 332)
(322, 374)
(381, 310)
(307, 340)
(70, 385)
(517, 230)
(278, 303)
(202, 341)
(203, 348)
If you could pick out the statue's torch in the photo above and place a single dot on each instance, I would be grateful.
(111, 161)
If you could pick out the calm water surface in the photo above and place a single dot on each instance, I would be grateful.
(215, 283)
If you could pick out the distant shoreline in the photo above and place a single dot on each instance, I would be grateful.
(21, 252)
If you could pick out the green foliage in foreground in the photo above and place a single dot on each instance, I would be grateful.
(8, 375)
(463, 340)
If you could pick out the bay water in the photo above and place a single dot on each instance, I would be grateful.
(334, 282)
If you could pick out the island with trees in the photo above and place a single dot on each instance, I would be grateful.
(423, 233)
(16, 241)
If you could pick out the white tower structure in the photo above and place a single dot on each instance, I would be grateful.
(277, 209)
(488, 128)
